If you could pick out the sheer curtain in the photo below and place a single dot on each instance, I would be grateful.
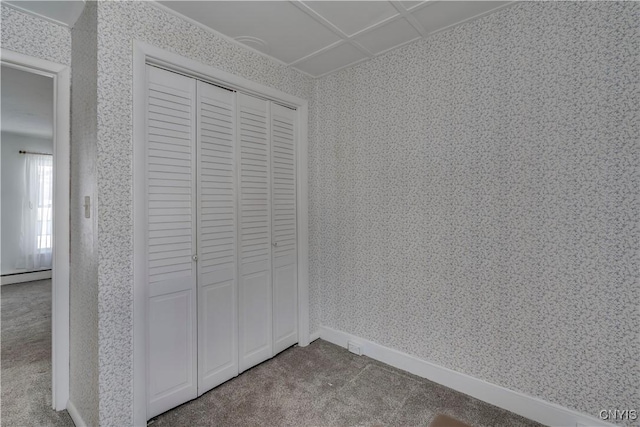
(37, 213)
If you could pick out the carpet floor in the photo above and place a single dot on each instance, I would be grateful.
(325, 385)
(25, 358)
(319, 385)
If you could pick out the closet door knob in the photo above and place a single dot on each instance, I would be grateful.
(275, 244)
(195, 257)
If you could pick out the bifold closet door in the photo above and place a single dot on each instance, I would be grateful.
(284, 251)
(255, 292)
(170, 240)
(217, 236)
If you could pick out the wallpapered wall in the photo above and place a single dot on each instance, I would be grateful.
(83, 381)
(118, 24)
(478, 201)
(35, 37)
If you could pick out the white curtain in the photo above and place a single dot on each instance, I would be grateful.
(37, 213)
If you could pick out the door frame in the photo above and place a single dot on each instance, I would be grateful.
(143, 54)
(61, 75)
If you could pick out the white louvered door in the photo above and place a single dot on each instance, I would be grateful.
(220, 235)
(255, 293)
(284, 233)
(217, 236)
(171, 240)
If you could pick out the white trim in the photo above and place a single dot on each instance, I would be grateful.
(527, 406)
(75, 415)
(25, 277)
(144, 53)
(61, 75)
(314, 336)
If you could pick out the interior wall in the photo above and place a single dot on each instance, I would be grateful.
(84, 260)
(30, 35)
(13, 192)
(476, 201)
(119, 23)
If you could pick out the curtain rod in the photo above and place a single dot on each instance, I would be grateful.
(33, 152)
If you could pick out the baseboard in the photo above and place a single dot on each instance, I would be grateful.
(75, 415)
(527, 406)
(25, 277)
(314, 336)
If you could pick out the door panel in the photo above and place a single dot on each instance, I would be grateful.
(255, 291)
(283, 193)
(171, 240)
(217, 238)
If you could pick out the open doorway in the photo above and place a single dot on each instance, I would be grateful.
(34, 237)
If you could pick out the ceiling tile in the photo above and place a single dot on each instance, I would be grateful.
(287, 32)
(438, 15)
(389, 35)
(331, 59)
(410, 4)
(353, 16)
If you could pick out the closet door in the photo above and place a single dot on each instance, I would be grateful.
(217, 234)
(284, 236)
(255, 319)
(171, 240)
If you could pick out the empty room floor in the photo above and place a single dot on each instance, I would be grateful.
(26, 356)
(325, 385)
(319, 385)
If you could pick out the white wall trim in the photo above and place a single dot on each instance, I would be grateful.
(314, 336)
(75, 415)
(25, 277)
(61, 75)
(143, 54)
(527, 406)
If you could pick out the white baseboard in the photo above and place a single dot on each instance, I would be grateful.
(25, 277)
(527, 406)
(314, 336)
(75, 415)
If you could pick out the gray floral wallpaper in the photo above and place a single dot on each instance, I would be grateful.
(29, 35)
(119, 23)
(83, 381)
(476, 201)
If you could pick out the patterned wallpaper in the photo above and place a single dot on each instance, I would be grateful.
(119, 23)
(33, 36)
(476, 201)
(83, 379)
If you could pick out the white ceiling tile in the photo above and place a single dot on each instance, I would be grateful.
(389, 35)
(353, 16)
(410, 4)
(441, 14)
(331, 59)
(287, 32)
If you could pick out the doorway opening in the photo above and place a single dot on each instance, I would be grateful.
(34, 237)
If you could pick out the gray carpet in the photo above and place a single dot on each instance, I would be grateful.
(320, 385)
(26, 357)
(325, 385)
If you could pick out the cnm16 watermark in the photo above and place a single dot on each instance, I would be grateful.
(618, 414)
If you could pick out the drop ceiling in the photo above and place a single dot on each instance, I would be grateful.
(315, 37)
(322, 37)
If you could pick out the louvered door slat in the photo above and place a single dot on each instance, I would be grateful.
(217, 237)
(255, 232)
(284, 233)
(171, 240)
